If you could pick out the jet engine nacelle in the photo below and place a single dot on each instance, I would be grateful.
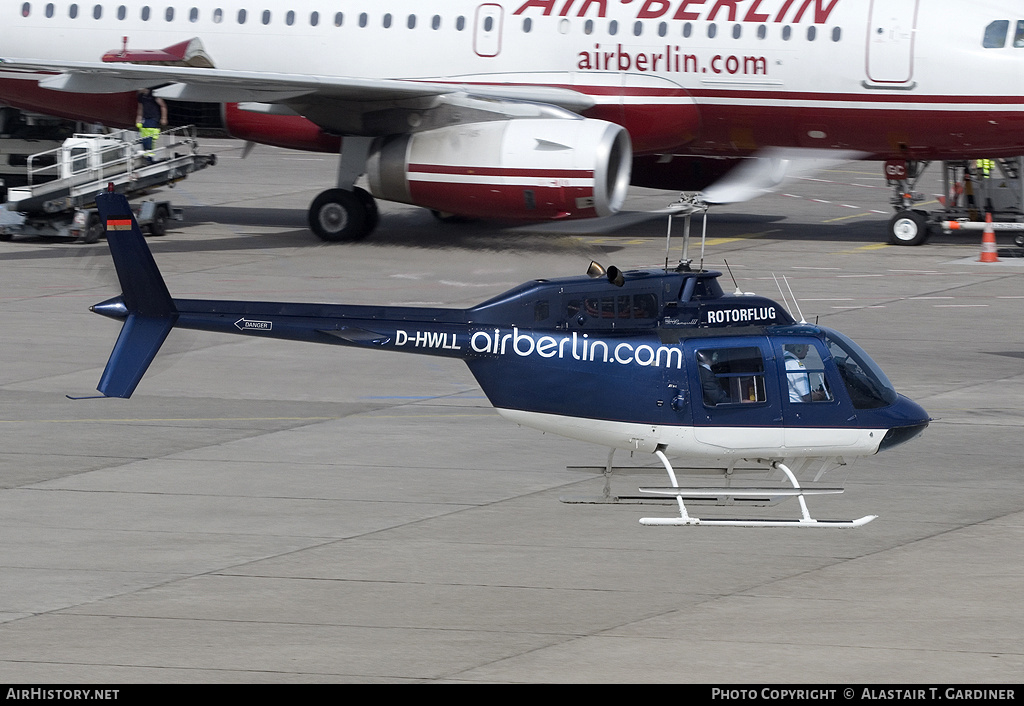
(533, 169)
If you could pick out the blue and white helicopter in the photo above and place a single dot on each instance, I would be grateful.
(658, 361)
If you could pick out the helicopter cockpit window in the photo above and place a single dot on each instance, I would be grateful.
(805, 373)
(864, 380)
(731, 375)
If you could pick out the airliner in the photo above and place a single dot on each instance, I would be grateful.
(540, 109)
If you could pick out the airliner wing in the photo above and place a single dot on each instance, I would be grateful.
(298, 90)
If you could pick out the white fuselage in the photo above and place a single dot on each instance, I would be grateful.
(887, 77)
(709, 444)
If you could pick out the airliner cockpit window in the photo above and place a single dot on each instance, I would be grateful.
(995, 34)
(1018, 36)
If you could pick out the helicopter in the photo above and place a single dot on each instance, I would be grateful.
(658, 361)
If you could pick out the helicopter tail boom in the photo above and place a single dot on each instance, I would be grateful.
(149, 313)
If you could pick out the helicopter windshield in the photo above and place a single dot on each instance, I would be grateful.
(868, 386)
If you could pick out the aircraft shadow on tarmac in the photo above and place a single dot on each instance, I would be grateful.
(416, 228)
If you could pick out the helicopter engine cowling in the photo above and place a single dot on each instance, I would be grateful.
(528, 169)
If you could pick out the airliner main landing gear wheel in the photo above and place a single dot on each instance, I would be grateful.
(370, 204)
(338, 215)
(908, 228)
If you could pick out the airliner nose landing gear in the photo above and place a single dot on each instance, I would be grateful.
(908, 228)
(970, 189)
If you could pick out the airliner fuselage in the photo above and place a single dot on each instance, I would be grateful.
(688, 80)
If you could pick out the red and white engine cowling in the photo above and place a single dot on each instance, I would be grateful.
(534, 169)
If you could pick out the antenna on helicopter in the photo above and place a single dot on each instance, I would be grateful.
(738, 291)
(785, 301)
(795, 302)
(703, 240)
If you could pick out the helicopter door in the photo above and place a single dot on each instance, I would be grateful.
(815, 408)
(735, 393)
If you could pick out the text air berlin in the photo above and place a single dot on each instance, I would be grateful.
(792, 11)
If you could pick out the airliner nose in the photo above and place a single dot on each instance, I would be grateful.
(907, 420)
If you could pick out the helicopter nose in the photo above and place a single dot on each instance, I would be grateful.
(909, 419)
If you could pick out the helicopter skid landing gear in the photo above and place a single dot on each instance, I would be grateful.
(748, 493)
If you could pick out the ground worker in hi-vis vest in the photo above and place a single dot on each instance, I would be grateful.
(149, 118)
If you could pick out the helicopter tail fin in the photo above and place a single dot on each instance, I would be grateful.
(145, 304)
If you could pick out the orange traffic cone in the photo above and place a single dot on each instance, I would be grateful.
(988, 242)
